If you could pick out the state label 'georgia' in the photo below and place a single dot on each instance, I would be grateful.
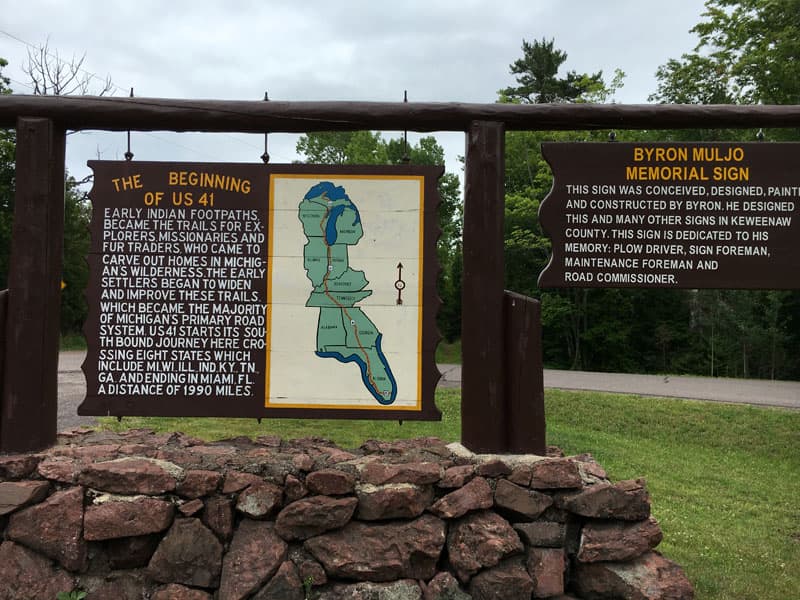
(331, 223)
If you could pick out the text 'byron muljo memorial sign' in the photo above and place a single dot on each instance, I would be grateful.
(682, 215)
(251, 290)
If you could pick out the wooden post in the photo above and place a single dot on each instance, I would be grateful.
(483, 414)
(524, 376)
(29, 400)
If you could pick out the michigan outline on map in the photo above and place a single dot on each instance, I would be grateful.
(331, 223)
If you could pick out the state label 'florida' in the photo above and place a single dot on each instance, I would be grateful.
(331, 222)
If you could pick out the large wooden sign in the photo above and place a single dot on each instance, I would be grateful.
(262, 290)
(710, 215)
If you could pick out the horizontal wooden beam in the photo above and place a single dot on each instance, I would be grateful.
(164, 114)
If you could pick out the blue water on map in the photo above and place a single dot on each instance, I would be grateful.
(364, 375)
(330, 227)
(332, 192)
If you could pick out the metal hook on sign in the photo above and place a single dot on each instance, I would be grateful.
(760, 135)
(612, 136)
(406, 158)
(265, 156)
(129, 154)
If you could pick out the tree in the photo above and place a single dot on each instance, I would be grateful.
(748, 52)
(536, 75)
(50, 75)
(7, 157)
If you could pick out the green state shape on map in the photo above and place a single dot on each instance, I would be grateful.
(331, 223)
(350, 281)
(330, 329)
(336, 299)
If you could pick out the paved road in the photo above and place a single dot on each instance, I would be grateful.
(718, 389)
(72, 387)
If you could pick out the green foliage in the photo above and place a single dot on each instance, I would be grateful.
(536, 75)
(748, 52)
(73, 595)
(77, 213)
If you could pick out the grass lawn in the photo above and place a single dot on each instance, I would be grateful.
(724, 479)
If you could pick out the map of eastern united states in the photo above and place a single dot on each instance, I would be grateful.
(331, 223)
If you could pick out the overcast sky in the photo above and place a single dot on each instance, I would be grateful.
(438, 50)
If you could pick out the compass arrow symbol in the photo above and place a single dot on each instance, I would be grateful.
(399, 285)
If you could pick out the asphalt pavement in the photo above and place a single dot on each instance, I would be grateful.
(785, 394)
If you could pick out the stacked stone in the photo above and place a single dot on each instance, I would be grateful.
(136, 515)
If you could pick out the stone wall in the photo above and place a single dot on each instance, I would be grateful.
(140, 515)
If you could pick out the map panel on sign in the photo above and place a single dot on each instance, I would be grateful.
(338, 305)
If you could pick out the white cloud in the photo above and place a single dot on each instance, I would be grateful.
(447, 51)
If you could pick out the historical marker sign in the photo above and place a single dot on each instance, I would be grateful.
(253, 290)
(682, 215)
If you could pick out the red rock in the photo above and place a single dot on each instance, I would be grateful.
(130, 585)
(378, 473)
(303, 462)
(127, 518)
(382, 552)
(456, 477)
(476, 495)
(478, 541)
(191, 508)
(546, 567)
(312, 516)
(626, 500)
(253, 558)
(392, 501)
(199, 483)
(618, 541)
(308, 568)
(330, 482)
(236, 481)
(545, 534)
(16, 494)
(509, 581)
(59, 469)
(18, 466)
(130, 476)
(131, 552)
(648, 577)
(53, 528)
(173, 591)
(555, 473)
(521, 475)
(591, 471)
(285, 585)
(90, 453)
(521, 503)
(444, 587)
(25, 574)
(260, 500)
(493, 468)
(294, 489)
(404, 589)
(218, 516)
(189, 554)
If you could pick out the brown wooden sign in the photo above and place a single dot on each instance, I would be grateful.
(710, 215)
(248, 290)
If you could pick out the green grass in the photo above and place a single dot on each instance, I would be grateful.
(449, 353)
(72, 341)
(724, 479)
